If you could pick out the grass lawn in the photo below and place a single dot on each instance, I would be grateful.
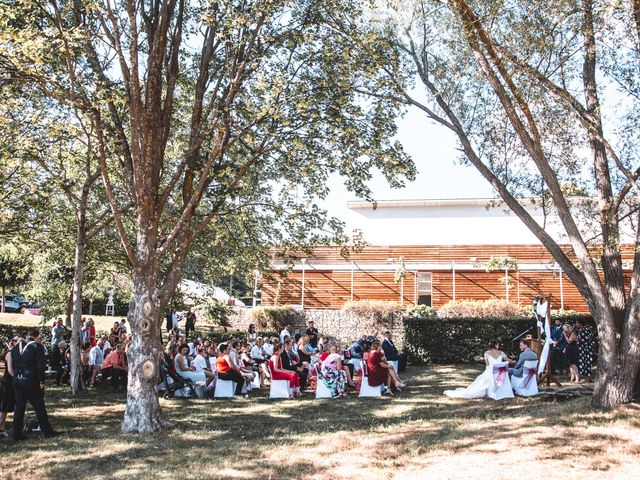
(419, 434)
(102, 322)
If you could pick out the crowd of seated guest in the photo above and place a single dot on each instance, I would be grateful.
(301, 358)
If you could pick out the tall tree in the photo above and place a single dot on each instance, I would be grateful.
(505, 77)
(191, 103)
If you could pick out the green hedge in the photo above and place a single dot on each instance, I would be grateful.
(217, 336)
(464, 340)
(7, 332)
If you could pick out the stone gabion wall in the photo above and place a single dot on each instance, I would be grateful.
(343, 326)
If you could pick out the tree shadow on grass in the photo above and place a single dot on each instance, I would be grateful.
(259, 437)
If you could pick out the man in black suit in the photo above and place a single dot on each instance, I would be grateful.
(29, 365)
(289, 363)
(391, 352)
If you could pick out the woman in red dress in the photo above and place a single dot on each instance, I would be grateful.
(379, 369)
(278, 373)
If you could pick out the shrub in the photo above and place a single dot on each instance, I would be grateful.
(378, 309)
(464, 340)
(492, 308)
(274, 318)
(420, 311)
(374, 316)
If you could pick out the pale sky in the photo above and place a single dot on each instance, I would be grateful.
(433, 149)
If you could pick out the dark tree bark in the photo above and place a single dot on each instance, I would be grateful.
(618, 322)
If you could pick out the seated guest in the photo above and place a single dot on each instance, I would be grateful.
(333, 375)
(85, 368)
(289, 363)
(279, 373)
(114, 333)
(115, 366)
(304, 349)
(96, 357)
(227, 370)
(379, 371)
(202, 364)
(356, 350)
(212, 353)
(106, 345)
(391, 352)
(59, 360)
(184, 367)
(249, 366)
(259, 357)
(234, 356)
(267, 347)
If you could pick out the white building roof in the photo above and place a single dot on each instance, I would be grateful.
(459, 221)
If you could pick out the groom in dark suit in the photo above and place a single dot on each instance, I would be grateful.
(527, 354)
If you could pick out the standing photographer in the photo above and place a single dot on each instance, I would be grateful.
(28, 382)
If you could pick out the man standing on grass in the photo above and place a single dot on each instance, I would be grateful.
(29, 365)
(312, 333)
(57, 333)
(190, 322)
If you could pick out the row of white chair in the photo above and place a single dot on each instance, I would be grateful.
(525, 386)
(280, 388)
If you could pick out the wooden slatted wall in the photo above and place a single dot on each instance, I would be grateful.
(332, 289)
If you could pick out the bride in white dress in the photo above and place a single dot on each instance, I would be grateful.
(484, 381)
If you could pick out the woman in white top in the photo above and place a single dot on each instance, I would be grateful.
(183, 368)
(478, 388)
(252, 335)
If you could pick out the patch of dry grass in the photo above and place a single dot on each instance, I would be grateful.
(102, 322)
(419, 434)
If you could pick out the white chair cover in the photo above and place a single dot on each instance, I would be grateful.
(279, 388)
(501, 387)
(256, 380)
(321, 389)
(224, 389)
(527, 385)
(367, 390)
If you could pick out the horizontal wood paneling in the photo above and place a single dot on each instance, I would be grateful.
(445, 253)
(329, 289)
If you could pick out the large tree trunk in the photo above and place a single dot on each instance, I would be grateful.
(143, 413)
(67, 318)
(611, 258)
(3, 292)
(78, 279)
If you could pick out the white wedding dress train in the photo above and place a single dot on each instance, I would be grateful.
(482, 384)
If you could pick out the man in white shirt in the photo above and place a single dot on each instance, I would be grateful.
(285, 333)
(256, 351)
(259, 355)
(202, 365)
(96, 357)
(267, 348)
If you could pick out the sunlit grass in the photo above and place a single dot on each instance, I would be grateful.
(418, 434)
